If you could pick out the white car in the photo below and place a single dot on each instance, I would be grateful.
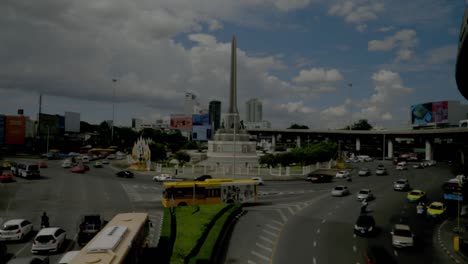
(67, 164)
(401, 185)
(401, 167)
(402, 236)
(15, 229)
(401, 163)
(49, 239)
(162, 177)
(340, 190)
(365, 194)
(342, 174)
(259, 180)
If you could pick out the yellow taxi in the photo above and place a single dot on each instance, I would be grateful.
(416, 196)
(436, 209)
(98, 164)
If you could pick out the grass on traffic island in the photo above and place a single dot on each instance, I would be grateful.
(191, 223)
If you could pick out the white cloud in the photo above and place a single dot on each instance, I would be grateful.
(442, 54)
(385, 29)
(318, 75)
(288, 5)
(332, 112)
(357, 12)
(297, 107)
(215, 25)
(403, 40)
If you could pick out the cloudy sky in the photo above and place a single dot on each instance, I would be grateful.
(320, 63)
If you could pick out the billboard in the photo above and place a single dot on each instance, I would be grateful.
(15, 129)
(181, 122)
(429, 113)
(72, 122)
(201, 130)
(49, 124)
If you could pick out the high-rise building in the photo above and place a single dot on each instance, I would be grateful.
(190, 103)
(136, 123)
(253, 110)
(215, 114)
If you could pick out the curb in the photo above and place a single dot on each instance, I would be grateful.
(442, 245)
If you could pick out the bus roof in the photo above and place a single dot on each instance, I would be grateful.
(205, 183)
(110, 245)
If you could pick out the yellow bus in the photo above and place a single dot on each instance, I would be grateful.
(122, 240)
(210, 191)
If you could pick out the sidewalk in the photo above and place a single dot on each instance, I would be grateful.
(444, 240)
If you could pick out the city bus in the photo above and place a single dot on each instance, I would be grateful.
(455, 190)
(122, 240)
(210, 191)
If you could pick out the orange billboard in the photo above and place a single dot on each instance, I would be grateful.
(181, 122)
(15, 130)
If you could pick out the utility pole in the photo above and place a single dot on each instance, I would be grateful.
(113, 110)
(38, 135)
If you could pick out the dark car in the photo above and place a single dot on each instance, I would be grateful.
(378, 255)
(88, 227)
(3, 252)
(318, 178)
(365, 224)
(30, 260)
(203, 178)
(125, 174)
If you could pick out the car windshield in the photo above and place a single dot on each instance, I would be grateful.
(10, 227)
(435, 207)
(401, 182)
(363, 192)
(44, 238)
(33, 167)
(339, 188)
(402, 232)
(415, 193)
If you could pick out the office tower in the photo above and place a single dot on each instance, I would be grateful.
(253, 110)
(215, 114)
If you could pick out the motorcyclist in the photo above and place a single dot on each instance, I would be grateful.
(420, 208)
(44, 220)
(364, 206)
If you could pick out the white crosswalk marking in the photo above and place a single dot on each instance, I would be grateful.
(143, 193)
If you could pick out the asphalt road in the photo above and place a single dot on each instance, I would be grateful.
(306, 225)
(65, 196)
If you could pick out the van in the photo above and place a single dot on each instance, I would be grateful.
(28, 170)
(85, 159)
(68, 257)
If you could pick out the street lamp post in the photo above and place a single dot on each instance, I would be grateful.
(113, 110)
(48, 133)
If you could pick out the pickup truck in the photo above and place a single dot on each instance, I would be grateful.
(88, 227)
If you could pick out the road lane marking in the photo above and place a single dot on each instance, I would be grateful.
(354, 235)
(298, 206)
(330, 213)
(395, 252)
(291, 210)
(283, 216)
(266, 239)
(318, 231)
(251, 262)
(273, 227)
(315, 243)
(323, 221)
(354, 248)
(263, 247)
(277, 222)
(270, 233)
(314, 260)
(259, 255)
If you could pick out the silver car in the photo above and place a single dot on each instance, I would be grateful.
(402, 236)
(340, 190)
(365, 194)
(401, 185)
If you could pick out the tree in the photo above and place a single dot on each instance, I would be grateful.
(296, 126)
(182, 157)
(362, 124)
(268, 160)
(158, 151)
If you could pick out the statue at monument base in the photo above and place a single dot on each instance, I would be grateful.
(141, 155)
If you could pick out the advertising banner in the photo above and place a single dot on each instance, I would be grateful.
(201, 133)
(181, 122)
(429, 113)
(15, 129)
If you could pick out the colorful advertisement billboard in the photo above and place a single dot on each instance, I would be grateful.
(201, 130)
(181, 122)
(15, 129)
(429, 113)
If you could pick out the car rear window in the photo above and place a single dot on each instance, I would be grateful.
(338, 188)
(401, 182)
(363, 192)
(365, 220)
(11, 227)
(402, 232)
(436, 207)
(33, 167)
(44, 238)
(414, 193)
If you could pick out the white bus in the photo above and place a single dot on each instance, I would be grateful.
(121, 241)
